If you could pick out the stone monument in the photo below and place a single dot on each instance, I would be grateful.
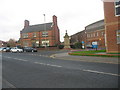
(66, 41)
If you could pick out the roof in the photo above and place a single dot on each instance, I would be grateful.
(99, 25)
(38, 27)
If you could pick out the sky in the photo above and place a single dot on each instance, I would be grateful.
(72, 15)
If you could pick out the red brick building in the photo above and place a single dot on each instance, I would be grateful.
(3, 44)
(93, 33)
(112, 25)
(77, 37)
(46, 34)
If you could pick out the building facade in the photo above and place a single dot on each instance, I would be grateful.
(3, 44)
(46, 34)
(112, 26)
(94, 32)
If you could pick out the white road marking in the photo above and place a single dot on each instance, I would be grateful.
(55, 65)
(20, 59)
(39, 63)
(85, 70)
(7, 57)
(47, 64)
(100, 72)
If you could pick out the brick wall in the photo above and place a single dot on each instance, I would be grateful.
(112, 24)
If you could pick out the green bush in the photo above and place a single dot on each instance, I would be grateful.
(72, 46)
(60, 46)
(78, 45)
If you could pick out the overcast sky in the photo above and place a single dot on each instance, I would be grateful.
(73, 15)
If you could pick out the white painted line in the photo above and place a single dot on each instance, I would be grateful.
(20, 59)
(100, 72)
(6, 57)
(55, 65)
(47, 64)
(40, 63)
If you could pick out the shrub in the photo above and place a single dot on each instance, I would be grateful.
(60, 46)
(72, 46)
(78, 45)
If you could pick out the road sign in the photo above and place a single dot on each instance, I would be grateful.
(83, 42)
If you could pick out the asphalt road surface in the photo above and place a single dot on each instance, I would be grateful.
(38, 70)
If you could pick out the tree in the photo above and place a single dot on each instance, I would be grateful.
(78, 45)
(11, 43)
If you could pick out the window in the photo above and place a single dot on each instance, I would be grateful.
(117, 8)
(45, 42)
(44, 34)
(118, 36)
(93, 34)
(102, 33)
(88, 35)
(34, 34)
(25, 35)
(97, 34)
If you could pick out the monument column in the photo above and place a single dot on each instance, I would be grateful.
(66, 41)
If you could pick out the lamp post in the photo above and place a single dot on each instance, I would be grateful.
(45, 30)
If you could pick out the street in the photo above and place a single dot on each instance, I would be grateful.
(39, 70)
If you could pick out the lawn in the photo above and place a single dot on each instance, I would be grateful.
(89, 52)
(94, 53)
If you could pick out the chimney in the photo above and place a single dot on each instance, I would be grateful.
(26, 23)
(54, 20)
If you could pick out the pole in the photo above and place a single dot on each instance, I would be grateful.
(45, 29)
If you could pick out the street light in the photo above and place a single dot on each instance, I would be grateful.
(45, 30)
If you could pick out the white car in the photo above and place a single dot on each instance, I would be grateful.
(15, 49)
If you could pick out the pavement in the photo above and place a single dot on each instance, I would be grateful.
(66, 56)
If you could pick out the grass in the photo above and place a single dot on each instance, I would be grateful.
(93, 53)
(89, 52)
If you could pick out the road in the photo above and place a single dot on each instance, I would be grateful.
(38, 70)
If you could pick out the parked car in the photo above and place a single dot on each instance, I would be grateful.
(2, 49)
(16, 49)
(29, 49)
(5, 49)
(89, 46)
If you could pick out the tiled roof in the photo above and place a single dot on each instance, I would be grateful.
(38, 27)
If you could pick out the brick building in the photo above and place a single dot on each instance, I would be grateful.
(46, 34)
(112, 25)
(93, 33)
(77, 37)
(3, 44)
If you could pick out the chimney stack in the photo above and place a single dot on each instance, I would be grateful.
(26, 23)
(54, 20)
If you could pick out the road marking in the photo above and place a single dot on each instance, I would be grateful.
(47, 64)
(55, 65)
(39, 63)
(20, 59)
(8, 57)
(100, 72)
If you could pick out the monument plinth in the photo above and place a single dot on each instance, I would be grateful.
(66, 41)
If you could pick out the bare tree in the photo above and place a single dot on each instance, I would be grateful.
(11, 43)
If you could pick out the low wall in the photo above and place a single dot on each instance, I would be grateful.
(48, 48)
